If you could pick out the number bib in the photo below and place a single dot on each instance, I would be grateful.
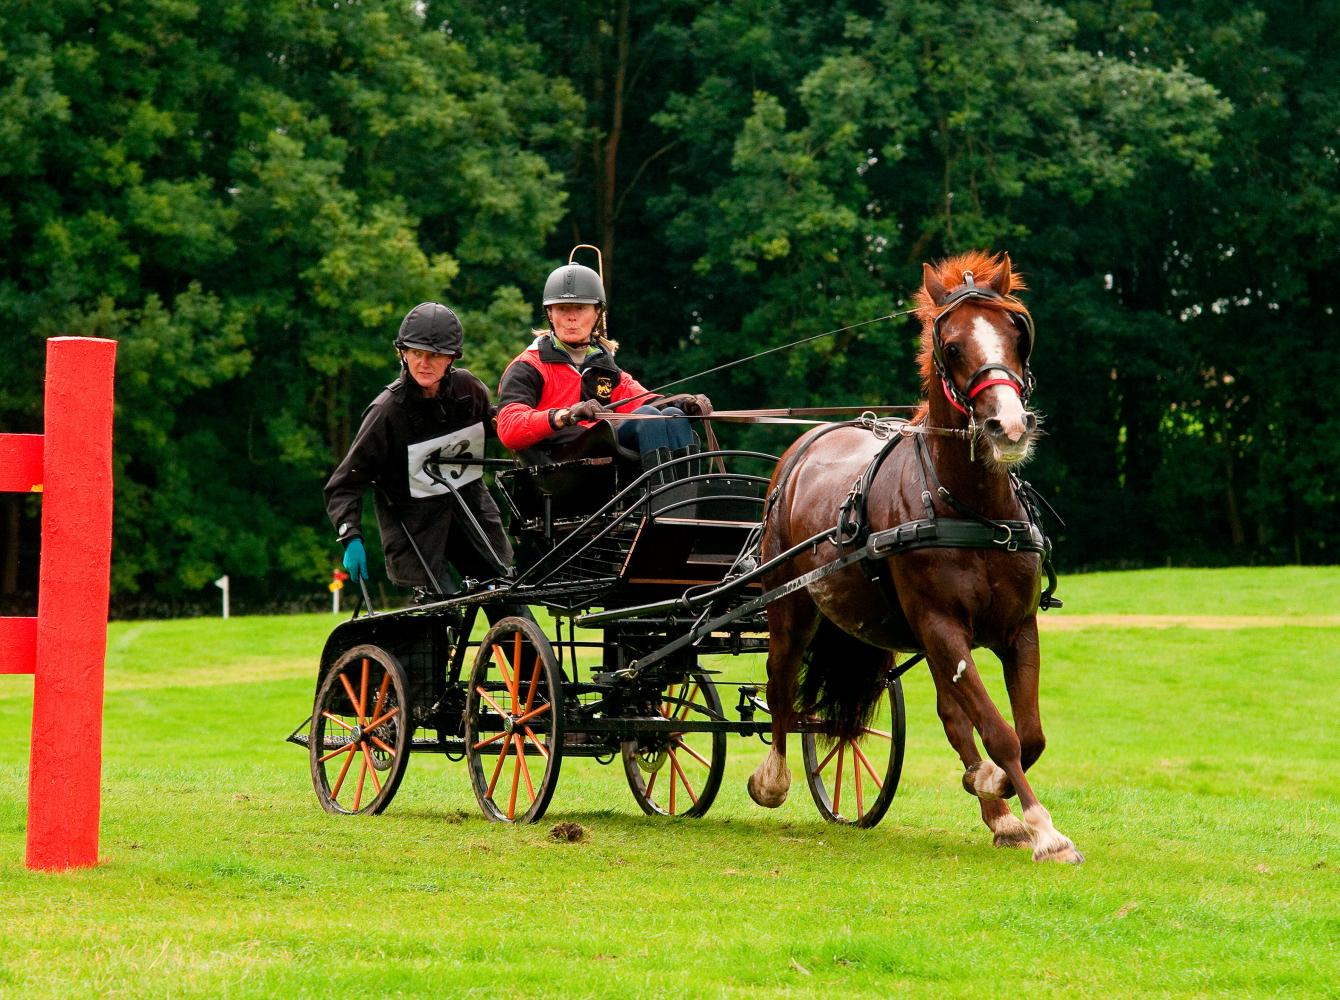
(441, 452)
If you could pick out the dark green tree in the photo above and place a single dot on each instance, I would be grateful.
(248, 197)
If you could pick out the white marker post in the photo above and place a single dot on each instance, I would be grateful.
(222, 584)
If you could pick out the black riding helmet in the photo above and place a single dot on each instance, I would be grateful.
(574, 283)
(431, 326)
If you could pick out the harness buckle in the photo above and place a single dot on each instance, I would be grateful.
(1010, 542)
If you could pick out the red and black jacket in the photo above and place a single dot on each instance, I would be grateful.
(543, 379)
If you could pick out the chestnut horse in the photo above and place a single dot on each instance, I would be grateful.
(831, 644)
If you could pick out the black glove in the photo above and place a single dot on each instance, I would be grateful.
(587, 409)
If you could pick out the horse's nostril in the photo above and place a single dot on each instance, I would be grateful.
(993, 426)
(1030, 422)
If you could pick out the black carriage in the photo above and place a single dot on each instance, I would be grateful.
(644, 574)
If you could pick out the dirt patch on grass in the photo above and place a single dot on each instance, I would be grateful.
(1064, 622)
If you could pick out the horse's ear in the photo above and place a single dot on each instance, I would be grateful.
(934, 286)
(1004, 279)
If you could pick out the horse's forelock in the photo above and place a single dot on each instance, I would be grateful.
(986, 271)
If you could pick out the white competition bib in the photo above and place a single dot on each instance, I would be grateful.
(466, 443)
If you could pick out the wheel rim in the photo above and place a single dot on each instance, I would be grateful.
(360, 735)
(854, 781)
(679, 773)
(514, 722)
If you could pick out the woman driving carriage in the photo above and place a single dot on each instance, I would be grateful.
(552, 394)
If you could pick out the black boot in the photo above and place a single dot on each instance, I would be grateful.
(653, 459)
(685, 469)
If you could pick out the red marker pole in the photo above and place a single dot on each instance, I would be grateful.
(65, 770)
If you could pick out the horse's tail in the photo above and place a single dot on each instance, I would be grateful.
(841, 679)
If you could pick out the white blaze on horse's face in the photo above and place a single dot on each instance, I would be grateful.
(1006, 425)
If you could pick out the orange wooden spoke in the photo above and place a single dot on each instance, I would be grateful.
(367, 756)
(651, 782)
(383, 719)
(479, 690)
(668, 705)
(338, 721)
(856, 780)
(363, 690)
(691, 752)
(867, 731)
(353, 698)
(837, 777)
(516, 669)
(497, 768)
(335, 792)
(388, 749)
(507, 674)
(674, 762)
(536, 713)
(544, 751)
(858, 752)
(347, 748)
(516, 783)
(684, 706)
(492, 739)
(525, 768)
(381, 696)
(534, 681)
(358, 792)
(672, 789)
(824, 763)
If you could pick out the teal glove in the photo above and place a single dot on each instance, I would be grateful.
(356, 560)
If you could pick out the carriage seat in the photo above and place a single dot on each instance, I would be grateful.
(568, 485)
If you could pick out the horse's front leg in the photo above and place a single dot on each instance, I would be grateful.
(1022, 663)
(791, 624)
(981, 778)
(955, 673)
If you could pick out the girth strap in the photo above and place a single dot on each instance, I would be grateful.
(956, 533)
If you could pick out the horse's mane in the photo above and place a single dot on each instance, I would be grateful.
(986, 269)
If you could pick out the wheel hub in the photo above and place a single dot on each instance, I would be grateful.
(509, 724)
(651, 759)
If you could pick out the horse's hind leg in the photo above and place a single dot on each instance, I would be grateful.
(791, 625)
(981, 778)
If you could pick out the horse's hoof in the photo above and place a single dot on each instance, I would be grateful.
(1066, 854)
(768, 800)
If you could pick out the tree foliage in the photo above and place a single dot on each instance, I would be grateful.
(248, 196)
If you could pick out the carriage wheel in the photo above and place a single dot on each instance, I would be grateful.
(514, 722)
(361, 730)
(853, 781)
(678, 773)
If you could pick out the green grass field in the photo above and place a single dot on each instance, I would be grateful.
(1196, 767)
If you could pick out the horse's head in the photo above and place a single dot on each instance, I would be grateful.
(976, 339)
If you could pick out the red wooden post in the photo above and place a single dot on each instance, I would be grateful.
(20, 472)
(65, 770)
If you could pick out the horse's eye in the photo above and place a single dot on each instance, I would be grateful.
(952, 352)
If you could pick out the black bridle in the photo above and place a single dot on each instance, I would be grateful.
(980, 380)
